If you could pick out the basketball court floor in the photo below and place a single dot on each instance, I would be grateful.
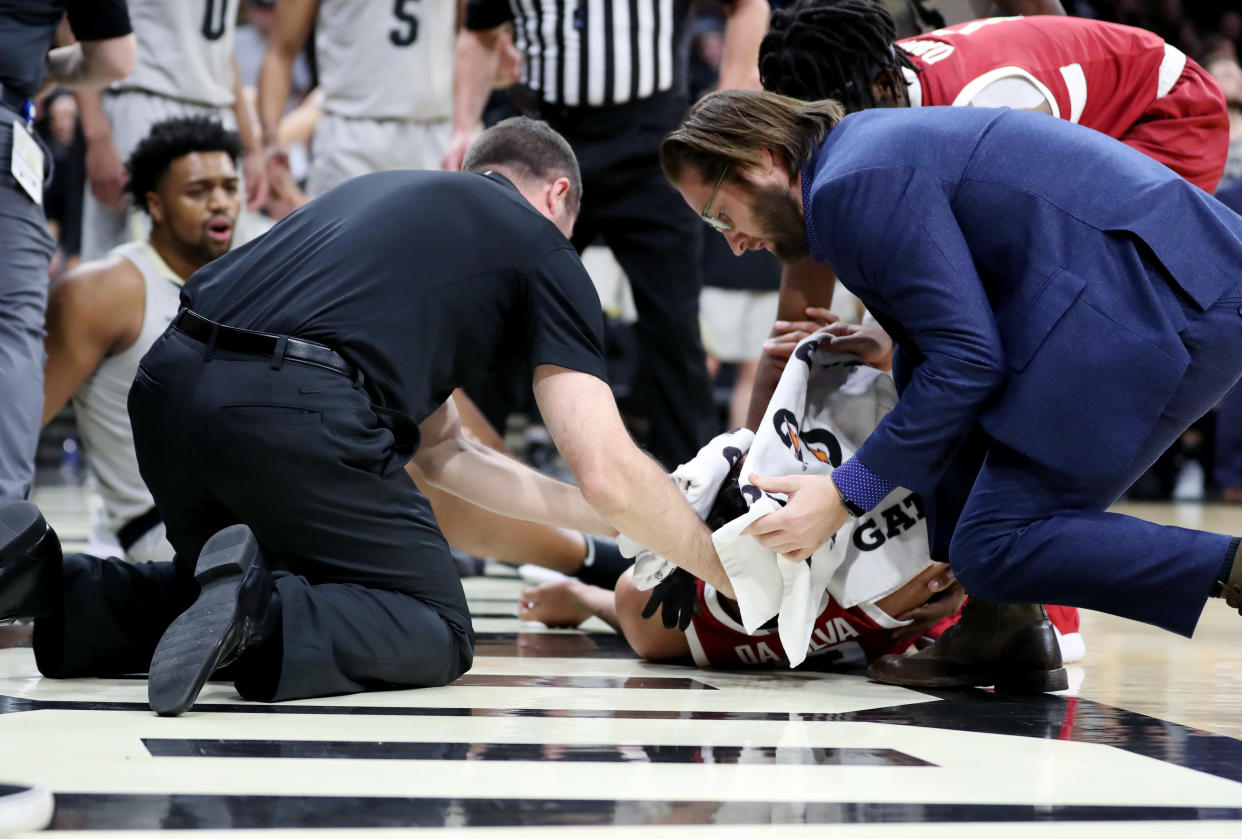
(564, 734)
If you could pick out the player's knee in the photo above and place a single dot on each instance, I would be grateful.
(648, 638)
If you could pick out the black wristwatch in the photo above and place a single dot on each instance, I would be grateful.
(850, 507)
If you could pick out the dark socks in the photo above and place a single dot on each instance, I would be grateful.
(604, 563)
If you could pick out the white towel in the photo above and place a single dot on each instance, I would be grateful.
(823, 408)
(698, 480)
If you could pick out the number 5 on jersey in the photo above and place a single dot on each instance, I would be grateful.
(408, 34)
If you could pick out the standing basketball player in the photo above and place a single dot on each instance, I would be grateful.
(185, 67)
(386, 75)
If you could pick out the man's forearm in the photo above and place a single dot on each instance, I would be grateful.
(643, 503)
(275, 81)
(244, 114)
(477, 54)
(744, 29)
(91, 114)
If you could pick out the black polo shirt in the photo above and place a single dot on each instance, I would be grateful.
(28, 29)
(426, 281)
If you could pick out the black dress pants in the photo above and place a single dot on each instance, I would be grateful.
(369, 594)
(654, 236)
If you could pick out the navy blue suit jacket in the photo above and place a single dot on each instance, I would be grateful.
(1036, 272)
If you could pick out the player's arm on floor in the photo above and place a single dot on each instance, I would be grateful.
(454, 462)
(93, 312)
(625, 485)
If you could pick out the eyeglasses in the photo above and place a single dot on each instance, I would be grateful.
(718, 224)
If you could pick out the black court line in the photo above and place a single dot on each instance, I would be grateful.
(631, 682)
(77, 811)
(587, 645)
(541, 752)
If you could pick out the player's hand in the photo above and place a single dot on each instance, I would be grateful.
(945, 602)
(676, 597)
(812, 516)
(254, 171)
(106, 172)
(786, 334)
(867, 341)
(458, 146)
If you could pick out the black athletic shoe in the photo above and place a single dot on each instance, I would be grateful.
(24, 808)
(30, 561)
(229, 614)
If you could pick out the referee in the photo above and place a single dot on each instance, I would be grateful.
(611, 77)
(105, 51)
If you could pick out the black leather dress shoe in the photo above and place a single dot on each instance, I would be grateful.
(30, 563)
(232, 613)
(1010, 646)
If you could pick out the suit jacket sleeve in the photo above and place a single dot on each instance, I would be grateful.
(891, 235)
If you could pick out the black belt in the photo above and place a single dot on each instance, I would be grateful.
(137, 527)
(247, 342)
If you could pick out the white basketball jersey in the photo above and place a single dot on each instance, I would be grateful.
(101, 402)
(185, 49)
(386, 59)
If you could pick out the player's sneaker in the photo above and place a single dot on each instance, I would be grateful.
(24, 808)
(1065, 622)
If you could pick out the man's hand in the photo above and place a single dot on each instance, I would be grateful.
(458, 146)
(947, 600)
(812, 516)
(676, 597)
(788, 333)
(867, 341)
(106, 172)
(254, 171)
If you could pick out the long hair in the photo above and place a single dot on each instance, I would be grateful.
(731, 128)
(832, 49)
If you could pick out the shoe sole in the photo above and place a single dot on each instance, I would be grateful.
(192, 646)
(1039, 681)
(30, 809)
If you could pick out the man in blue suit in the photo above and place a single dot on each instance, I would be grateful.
(1064, 302)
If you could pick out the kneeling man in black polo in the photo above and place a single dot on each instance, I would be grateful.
(273, 418)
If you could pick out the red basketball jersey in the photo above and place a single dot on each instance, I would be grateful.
(1101, 75)
(840, 637)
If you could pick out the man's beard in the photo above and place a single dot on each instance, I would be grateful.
(781, 222)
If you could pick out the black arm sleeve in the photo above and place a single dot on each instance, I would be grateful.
(487, 14)
(98, 20)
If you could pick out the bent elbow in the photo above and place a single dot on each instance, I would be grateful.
(115, 58)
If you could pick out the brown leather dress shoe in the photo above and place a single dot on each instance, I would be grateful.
(1011, 646)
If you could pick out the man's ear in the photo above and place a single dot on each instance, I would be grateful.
(155, 208)
(558, 194)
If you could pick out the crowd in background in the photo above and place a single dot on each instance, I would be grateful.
(1204, 30)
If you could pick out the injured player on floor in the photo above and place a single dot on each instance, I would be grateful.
(872, 591)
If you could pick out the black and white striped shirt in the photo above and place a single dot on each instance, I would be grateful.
(592, 52)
